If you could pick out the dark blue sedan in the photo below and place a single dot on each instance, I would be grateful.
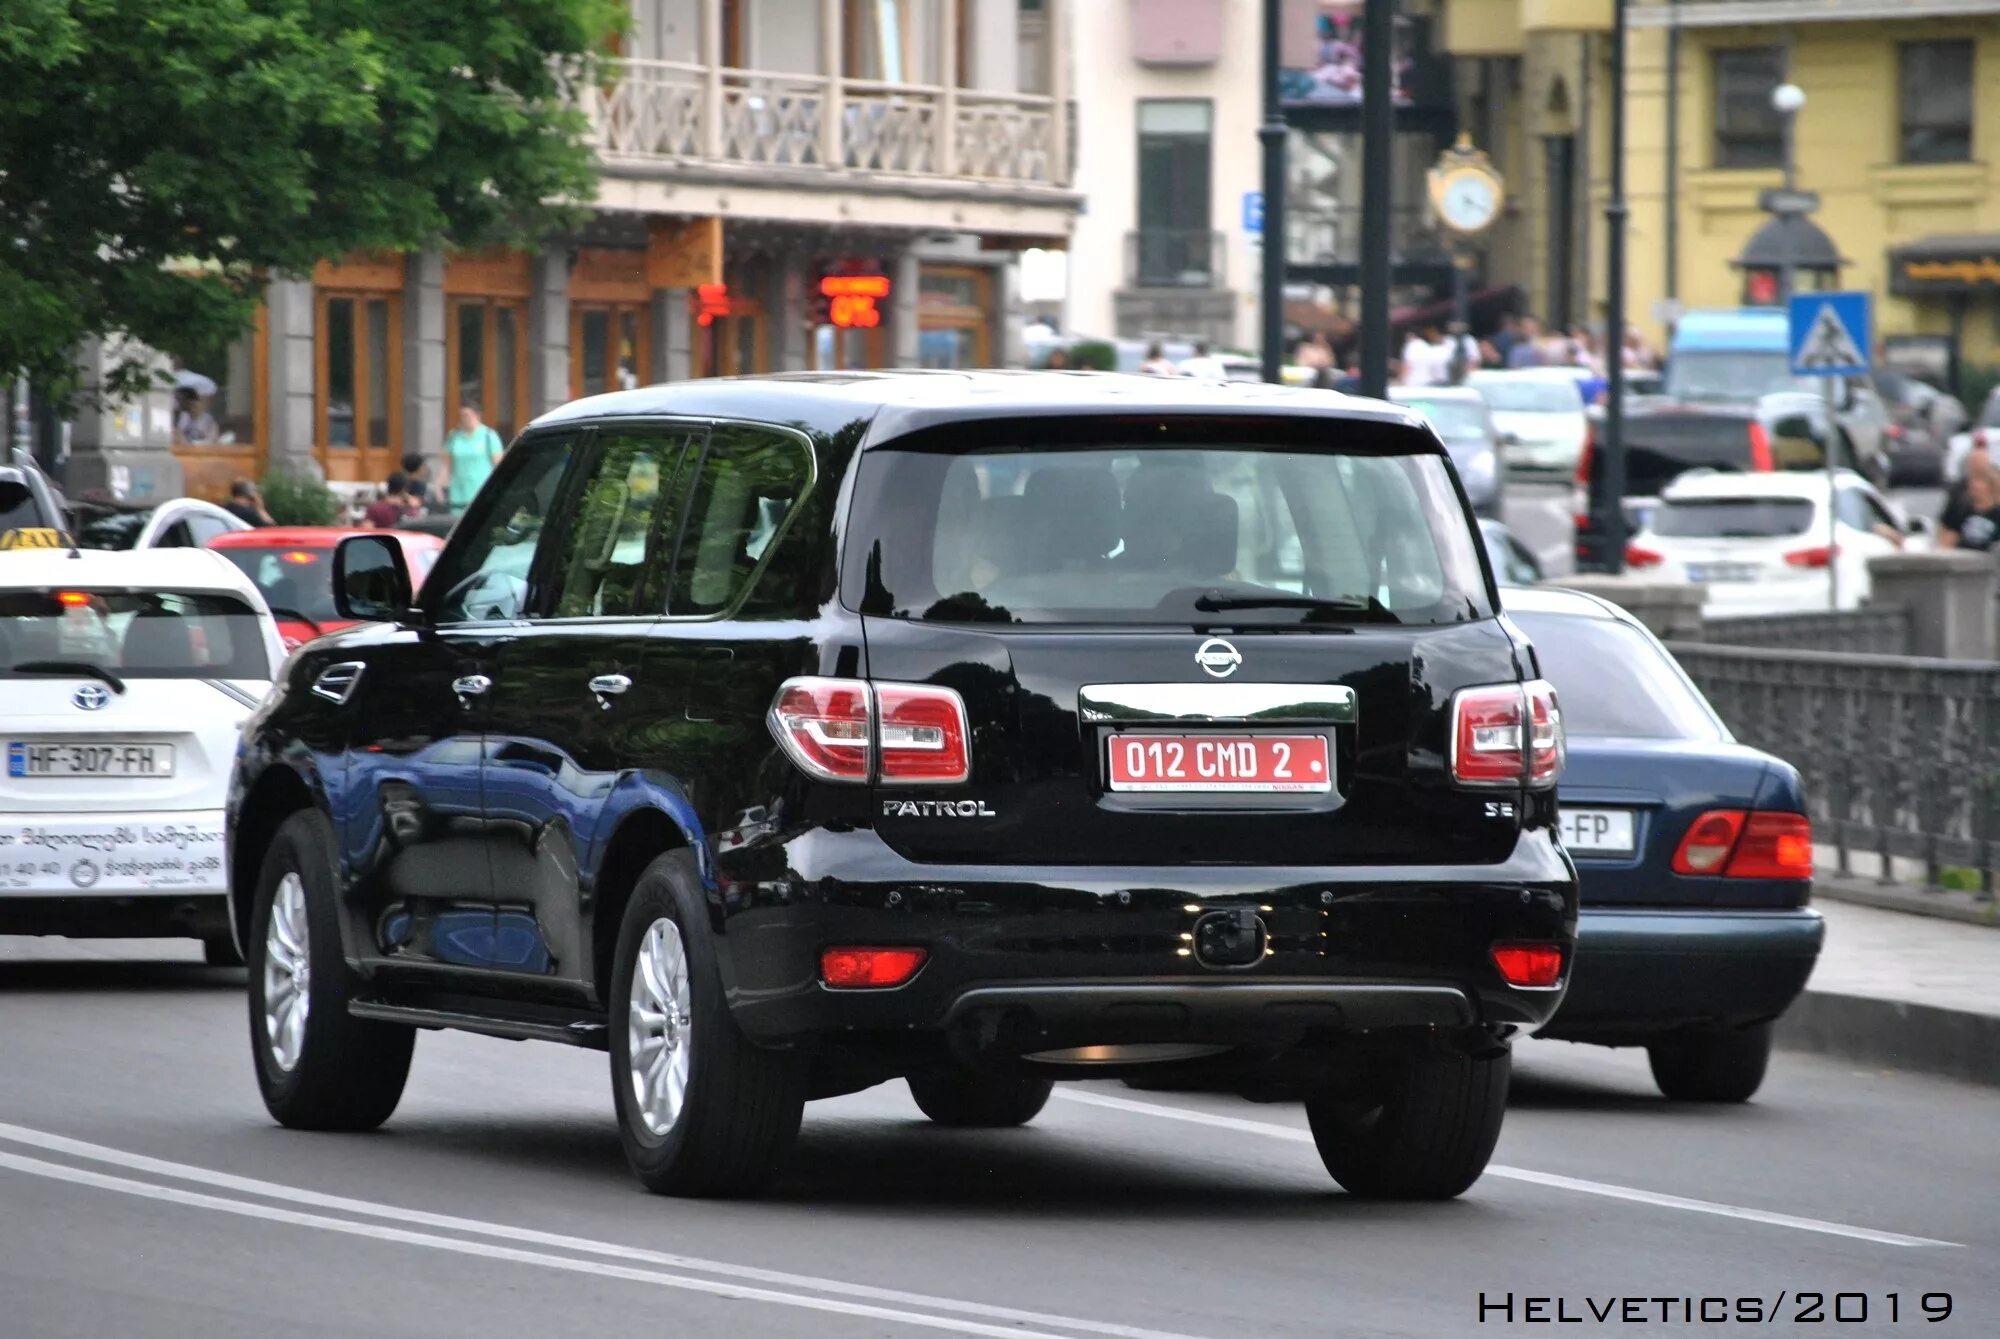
(1693, 852)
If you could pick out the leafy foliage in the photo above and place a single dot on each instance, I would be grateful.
(158, 158)
(1094, 355)
(299, 499)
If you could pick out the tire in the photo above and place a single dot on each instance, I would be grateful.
(973, 1099)
(1427, 1132)
(335, 1072)
(220, 951)
(1712, 1066)
(740, 1103)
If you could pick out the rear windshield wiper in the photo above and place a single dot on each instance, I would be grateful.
(82, 667)
(1332, 608)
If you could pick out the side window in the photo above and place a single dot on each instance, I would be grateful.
(601, 556)
(205, 528)
(1853, 510)
(482, 577)
(1879, 514)
(751, 479)
(175, 536)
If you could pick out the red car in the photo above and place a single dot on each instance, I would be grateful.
(293, 566)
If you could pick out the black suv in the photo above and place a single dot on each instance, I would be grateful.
(786, 736)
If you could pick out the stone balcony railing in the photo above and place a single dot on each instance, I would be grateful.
(653, 113)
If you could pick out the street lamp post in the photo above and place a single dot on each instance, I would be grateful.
(1786, 100)
(1273, 135)
(1615, 212)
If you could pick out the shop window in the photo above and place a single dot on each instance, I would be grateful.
(489, 363)
(954, 316)
(218, 409)
(1748, 130)
(1174, 154)
(1935, 99)
(609, 348)
(359, 383)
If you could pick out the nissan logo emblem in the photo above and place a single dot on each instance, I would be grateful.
(91, 697)
(1217, 658)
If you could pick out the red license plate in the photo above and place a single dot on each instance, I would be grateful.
(1272, 764)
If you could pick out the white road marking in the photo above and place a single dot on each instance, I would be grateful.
(77, 1148)
(486, 1250)
(1604, 1188)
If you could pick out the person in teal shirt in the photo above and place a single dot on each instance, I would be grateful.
(470, 452)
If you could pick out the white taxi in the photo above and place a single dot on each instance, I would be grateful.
(124, 678)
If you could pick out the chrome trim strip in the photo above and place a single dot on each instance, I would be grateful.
(1256, 703)
(232, 692)
(336, 683)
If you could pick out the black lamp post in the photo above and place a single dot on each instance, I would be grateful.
(1272, 135)
(1615, 212)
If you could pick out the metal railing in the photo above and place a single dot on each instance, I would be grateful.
(1876, 630)
(1174, 258)
(1900, 755)
(658, 111)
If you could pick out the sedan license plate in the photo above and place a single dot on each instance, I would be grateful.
(1598, 831)
(100, 757)
(1270, 764)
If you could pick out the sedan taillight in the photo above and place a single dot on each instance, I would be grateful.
(1739, 844)
(1490, 747)
(851, 730)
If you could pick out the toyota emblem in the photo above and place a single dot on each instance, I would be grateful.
(91, 697)
(1217, 658)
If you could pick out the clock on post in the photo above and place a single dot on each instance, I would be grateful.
(1465, 190)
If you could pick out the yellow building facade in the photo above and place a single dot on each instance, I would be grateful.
(1897, 137)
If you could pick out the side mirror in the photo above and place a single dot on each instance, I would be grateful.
(371, 582)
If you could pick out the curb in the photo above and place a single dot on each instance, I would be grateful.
(1939, 903)
(1895, 1034)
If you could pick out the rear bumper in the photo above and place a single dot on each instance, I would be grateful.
(1033, 957)
(1639, 973)
(150, 916)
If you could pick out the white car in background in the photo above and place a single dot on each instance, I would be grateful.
(1540, 414)
(124, 678)
(1765, 543)
(178, 523)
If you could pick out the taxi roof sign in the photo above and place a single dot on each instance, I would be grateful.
(35, 537)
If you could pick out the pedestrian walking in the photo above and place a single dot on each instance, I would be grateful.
(1422, 365)
(1157, 363)
(395, 505)
(1971, 519)
(1527, 349)
(1204, 364)
(471, 450)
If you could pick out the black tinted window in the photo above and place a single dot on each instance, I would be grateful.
(751, 479)
(601, 556)
(17, 508)
(107, 529)
(1733, 517)
(1612, 680)
(483, 573)
(1120, 533)
(137, 635)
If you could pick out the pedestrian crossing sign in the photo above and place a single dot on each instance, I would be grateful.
(1829, 334)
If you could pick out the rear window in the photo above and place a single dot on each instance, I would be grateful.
(17, 508)
(1612, 681)
(1526, 396)
(294, 580)
(1733, 517)
(134, 634)
(1452, 418)
(1728, 376)
(1114, 533)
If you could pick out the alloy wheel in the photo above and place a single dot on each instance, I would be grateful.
(287, 973)
(659, 1038)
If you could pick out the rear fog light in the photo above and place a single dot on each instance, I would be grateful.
(1532, 966)
(869, 968)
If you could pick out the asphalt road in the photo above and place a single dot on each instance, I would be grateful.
(143, 1192)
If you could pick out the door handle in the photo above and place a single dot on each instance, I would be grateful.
(470, 685)
(608, 686)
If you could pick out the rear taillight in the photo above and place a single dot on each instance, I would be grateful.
(1583, 457)
(1637, 555)
(1487, 735)
(1533, 966)
(923, 735)
(1894, 432)
(1760, 448)
(852, 730)
(1774, 846)
(1747, 845)
(1817, 556)
(869, 968)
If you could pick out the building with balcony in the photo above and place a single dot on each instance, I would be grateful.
(749, 150)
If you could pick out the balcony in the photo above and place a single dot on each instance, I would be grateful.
(812, 129)
(1174, 258)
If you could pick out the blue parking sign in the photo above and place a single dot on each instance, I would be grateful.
(1829, 334)
(1253, 213)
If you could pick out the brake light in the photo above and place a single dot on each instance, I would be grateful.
(1760, 448)
(1709, 840)
(298, 557)
(823, 725)
(1774, 846)
(852, 730)
(1639, 556)
(1820, 555)
(1487, 735)
(924, 737)
(72, 599)
(1534, 966)
(869, 968)
(1894, 432)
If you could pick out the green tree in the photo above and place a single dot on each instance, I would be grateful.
(159, 158)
